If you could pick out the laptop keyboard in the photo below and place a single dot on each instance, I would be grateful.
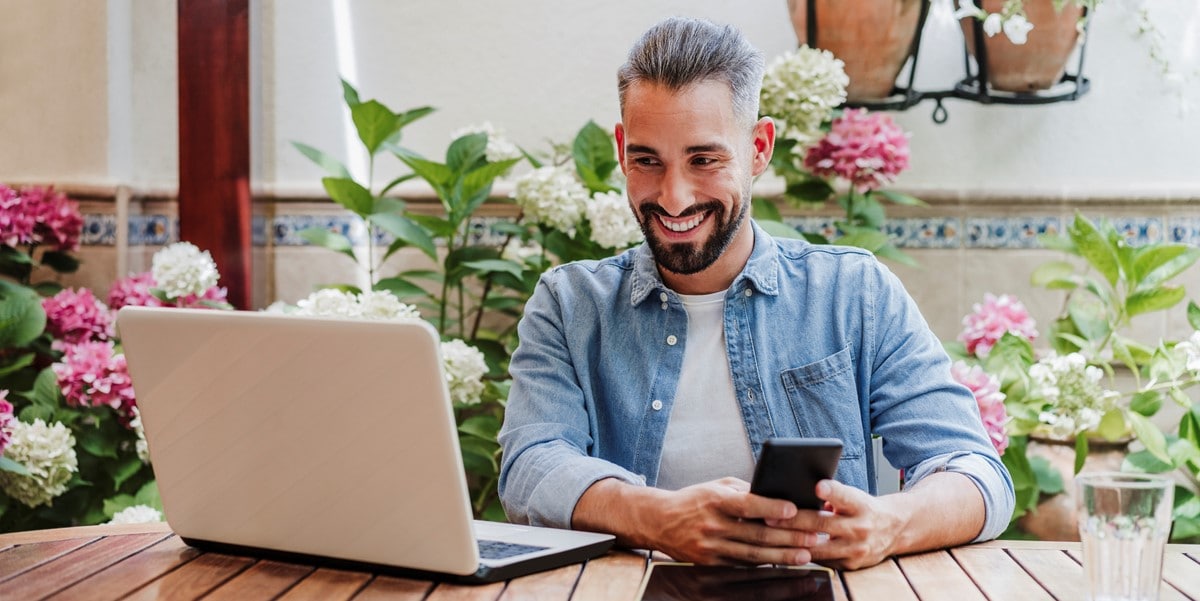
(494, 549)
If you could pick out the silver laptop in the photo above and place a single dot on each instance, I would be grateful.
(318, 440)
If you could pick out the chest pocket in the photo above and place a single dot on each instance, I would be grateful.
(824, 400)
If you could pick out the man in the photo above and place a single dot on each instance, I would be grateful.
(645, 384)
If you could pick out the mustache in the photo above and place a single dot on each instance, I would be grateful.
(649, 209)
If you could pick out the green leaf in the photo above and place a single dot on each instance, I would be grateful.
(485, 427)
(116, 504)
(148, 495)
(401, 287)
(375, 124)
(46, 392)
(350, 194)
(95, 442)
(762, 209)
(1154, 299)
(1193, 315)
(437, 175)
(405, 229)
(1052, 271)
(1149, 435)
(124, 470)
(477, 184)
(333, 241)
(869, 240)
(595, 157)
(779, 229)
(22, 318)
(1158, 264)
(440, 228)
(495, 265)
(1145, 462)
(902, 199)
(1081, 450)
(394, 183)
(1095, 247)
(349, 94)
(808, 191)
(60, 261)
(331, 165)
(413, 114)
(1089, 318)
(1112, 425)
(1147, 402)
(18, 363)
(890, 252)
(8, 465)
(1049, 479)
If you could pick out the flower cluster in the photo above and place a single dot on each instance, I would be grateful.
(866, 149)
(551, 196)
(134, 291)
(1073, 400)
(74, 316)
(377, 304)
(986, 389)
(465, 367)
(35, 216)
(1011, 19)
(140, 445)
(499, 148)
(613, 223)
(48, 452)
(801, 88)
(182, 270)
(989, 321)
(6, 420)
(518, 251)
(137, 514)
(90, 374)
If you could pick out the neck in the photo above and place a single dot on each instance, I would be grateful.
(720, 274)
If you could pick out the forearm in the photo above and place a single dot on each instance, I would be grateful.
(941, 510)
(621, 509)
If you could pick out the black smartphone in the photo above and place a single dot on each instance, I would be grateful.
(689, 582)
(789, 468)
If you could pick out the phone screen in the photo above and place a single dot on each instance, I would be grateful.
(677, 582)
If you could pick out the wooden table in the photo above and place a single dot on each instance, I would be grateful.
(149, 562)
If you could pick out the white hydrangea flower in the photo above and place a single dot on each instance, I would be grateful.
(1191, 352)
(382, 304)
(48, 452)
(182, 269)
(1017, 28)
(329, 302)
(613, 223)
(992, 24)
(143, 449)
(465, 367)
(551, 196)
(279, 307)
(137, 514)
(499, 148)
(801, 88)
(517, 251)
(1074, 400)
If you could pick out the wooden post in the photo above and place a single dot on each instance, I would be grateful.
(214, 136)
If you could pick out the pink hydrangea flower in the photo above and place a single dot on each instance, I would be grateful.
(59, 223)
(867, 149)
(75, 316)
(986, 389)
(6, 420)
(91, 375)
(989, 321)
(16, 223)
(215, 294)
(133, 290)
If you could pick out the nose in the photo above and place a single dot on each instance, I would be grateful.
(676, 193)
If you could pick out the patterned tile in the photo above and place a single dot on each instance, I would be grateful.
(152, 230)
(285, 229)
(822, 226)
(1139, 230)
(1184, 229)
(925, 232)
(1008, 232)
(99, 230)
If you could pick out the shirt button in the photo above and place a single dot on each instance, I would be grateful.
(671, 340)
(664, 306)
(656, 405)
(749, 292)
(662, 296)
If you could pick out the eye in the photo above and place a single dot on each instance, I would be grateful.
(703, 161)
(645, 161)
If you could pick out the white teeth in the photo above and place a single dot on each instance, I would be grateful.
(681, 226)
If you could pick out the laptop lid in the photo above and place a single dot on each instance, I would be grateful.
(311, 436)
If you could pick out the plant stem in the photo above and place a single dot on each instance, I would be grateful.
(443, 299)
(370, 227)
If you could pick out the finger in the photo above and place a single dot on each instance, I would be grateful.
(843, 499)
(753, 507)
(735, 483)
(757, 533)
(750, 554)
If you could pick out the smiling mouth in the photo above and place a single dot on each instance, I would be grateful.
(685, 224)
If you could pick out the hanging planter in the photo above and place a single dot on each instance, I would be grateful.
(873, 38)
(1040, 62)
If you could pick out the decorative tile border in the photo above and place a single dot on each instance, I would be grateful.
(906, 232)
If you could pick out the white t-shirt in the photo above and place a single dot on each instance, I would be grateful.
(706, 436)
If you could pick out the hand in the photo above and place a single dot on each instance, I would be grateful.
(862, 530)
(720, 522)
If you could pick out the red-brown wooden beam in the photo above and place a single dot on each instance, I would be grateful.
(214, 136)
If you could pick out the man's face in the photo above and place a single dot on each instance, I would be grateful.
(689, 164)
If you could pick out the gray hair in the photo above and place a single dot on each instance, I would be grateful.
(678, 52)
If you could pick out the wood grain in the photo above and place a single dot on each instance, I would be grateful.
(467, 592)
(884, 581)
(132, 573)
(264, 580)
(1183, 573)
(613, 577)
(394, 589)
(1056, 571)
(194, 579)
(998, 575)
(72, 567)
(552, 585)
(937, 577)
(17, 559)
(329, 584)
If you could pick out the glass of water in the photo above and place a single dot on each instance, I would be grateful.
(1124, 521)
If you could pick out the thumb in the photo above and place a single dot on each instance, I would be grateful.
(841, 498)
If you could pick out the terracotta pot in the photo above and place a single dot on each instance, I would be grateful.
(873, 38)
(1040, 62)
(1054, 518)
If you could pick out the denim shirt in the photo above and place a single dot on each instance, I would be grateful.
(823, 341)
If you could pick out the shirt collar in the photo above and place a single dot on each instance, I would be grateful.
(761, 270)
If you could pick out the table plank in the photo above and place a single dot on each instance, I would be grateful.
(616, 576)
(884, 581)
(390, 588)
(53, 534)
(1056, 571)
(467, 592)
(936, 576)
(132, 572)
(70, 568)
(193, 579)
(552, 585)
(24, 557)
(266, 579)
(997, 575)
(325, 583)
(1166, 592)
(1183, 573)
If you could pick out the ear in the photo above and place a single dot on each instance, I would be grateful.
(764, 145)
(619, 133)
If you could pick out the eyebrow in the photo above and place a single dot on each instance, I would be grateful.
(701, 148)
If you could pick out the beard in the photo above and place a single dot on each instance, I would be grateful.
(686, 258)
